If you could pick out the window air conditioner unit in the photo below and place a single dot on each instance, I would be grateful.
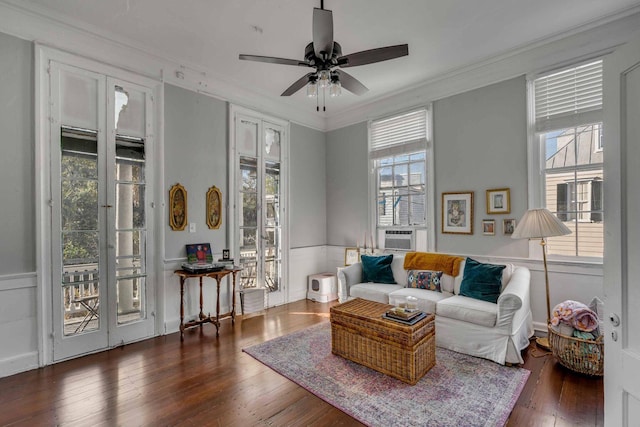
(399, 240)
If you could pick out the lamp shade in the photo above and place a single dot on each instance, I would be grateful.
(538, 224)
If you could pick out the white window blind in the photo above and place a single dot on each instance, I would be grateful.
(405, 133)
(569, 97)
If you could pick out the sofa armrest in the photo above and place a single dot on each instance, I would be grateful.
(514, 302)
(347, 277)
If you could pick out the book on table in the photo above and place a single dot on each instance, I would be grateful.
(403, 315)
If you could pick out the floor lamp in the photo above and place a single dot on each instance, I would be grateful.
(540, 224)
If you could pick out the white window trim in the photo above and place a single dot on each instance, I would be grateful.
(429, 226)
(536, 168)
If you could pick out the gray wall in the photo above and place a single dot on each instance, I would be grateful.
(308, 189)
(347, 185)
(195, 155)
(17, 173)
(480, 143)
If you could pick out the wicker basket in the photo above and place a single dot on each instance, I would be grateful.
(583, 356)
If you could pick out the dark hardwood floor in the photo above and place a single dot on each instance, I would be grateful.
(206, 380)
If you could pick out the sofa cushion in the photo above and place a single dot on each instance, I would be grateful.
(482, 281)
(427, 300)
(397, 266)
(468, 310)
(377, 269)
(424, 279)
(506, 275)
(373, 291)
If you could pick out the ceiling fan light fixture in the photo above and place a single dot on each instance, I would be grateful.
(312, 89)
(324, 79)
(335, 89)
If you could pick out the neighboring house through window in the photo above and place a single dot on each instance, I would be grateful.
(398, 149)
(569, 136)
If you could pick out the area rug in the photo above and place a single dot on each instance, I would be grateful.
(459, 391)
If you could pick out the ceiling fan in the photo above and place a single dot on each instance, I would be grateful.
(324, 55)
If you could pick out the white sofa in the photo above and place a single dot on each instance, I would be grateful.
(497, 332)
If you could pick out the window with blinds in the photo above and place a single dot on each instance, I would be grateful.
(569, 97)
(398, 152)
(568, 125)
(399, 134)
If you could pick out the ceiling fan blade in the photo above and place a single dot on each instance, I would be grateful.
(350, 83)
(373, 55)
(273, 60)
(297, 85)
(322, 32)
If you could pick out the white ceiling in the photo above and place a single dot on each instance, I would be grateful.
(443, 36)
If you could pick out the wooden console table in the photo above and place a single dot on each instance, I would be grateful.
(202, 318)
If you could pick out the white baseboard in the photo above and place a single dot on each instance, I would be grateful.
(540, 329)
(16, 364)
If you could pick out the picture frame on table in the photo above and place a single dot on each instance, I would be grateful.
(488, 227)
(351, 256)
(508, 226)
(498, 201)
(457, 212)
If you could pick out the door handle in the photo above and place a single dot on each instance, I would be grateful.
(615, 320)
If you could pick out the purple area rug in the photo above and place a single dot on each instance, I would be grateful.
(460, 390)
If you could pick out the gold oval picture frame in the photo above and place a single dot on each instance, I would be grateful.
(178, 208)
(214, 208)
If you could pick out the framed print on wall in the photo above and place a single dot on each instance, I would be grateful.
(508, 225)
(177, 207)
(214, 207)
(488, 227)
(351, 256)
(457, 213)
(498, 201)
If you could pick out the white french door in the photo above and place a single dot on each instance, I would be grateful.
(259, 147)
(101, 216)
(622, 236)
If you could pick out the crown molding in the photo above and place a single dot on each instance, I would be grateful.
(33, 23)
(37, 25)
(590, 40)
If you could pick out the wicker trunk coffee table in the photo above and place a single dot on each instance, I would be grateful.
(359, 333)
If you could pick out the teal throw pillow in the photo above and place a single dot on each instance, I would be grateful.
(377, 269)
(424, 279)
(482, 281)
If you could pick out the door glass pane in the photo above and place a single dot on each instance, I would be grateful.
(272, 144)
(130, 228)
(80, 237)
(248, 257)
(247, 137)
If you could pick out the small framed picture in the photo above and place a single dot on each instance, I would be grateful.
(488, 227)
(508, 225)
(214, 208)
(498, 201)
(457, 213)
(225, 254)
(351, 256)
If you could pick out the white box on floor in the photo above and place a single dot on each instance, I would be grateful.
(323, 287)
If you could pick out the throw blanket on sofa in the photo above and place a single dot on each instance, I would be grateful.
(575, 314)
(449, 264)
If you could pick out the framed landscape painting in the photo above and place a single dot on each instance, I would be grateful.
(457, 213)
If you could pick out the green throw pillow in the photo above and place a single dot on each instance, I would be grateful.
(377, 269)
(482, 281)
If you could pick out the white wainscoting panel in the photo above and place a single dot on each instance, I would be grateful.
(18, 324)
(304, 262)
